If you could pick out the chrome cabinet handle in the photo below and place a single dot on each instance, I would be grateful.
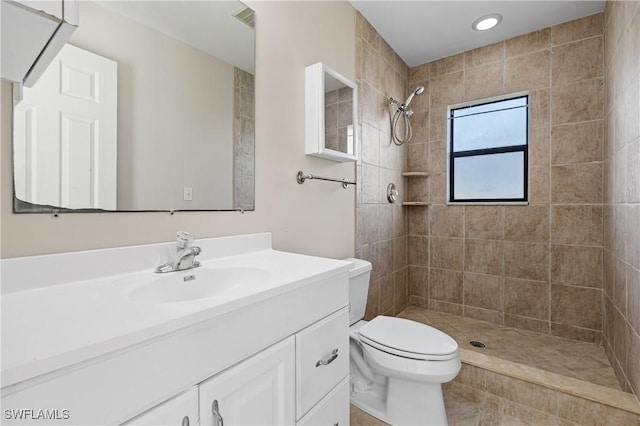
(185, 421)
(334, 355)
(216, 413)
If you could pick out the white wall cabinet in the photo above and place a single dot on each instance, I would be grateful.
(258, 391)
(33, 32)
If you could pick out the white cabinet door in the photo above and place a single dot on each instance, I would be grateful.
(332, 410)
(258, 391)
(181, 410)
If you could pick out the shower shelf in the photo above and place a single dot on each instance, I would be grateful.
(415, 203)
(416, 174)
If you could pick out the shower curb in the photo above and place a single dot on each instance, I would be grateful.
(613, 399)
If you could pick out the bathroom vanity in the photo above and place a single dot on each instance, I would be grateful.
(253, 336)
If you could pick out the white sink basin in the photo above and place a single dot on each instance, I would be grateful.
(195, 284)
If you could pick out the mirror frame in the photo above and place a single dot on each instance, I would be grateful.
(314, 114)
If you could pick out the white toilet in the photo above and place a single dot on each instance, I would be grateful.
(397, 366)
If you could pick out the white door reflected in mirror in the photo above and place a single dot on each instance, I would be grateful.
(65, 142)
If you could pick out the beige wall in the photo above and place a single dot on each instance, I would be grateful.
(622, 192)
(315, 218)
(381, 236)
(536, 267)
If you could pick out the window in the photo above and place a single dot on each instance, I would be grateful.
(488, 143)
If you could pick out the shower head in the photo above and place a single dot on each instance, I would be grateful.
(418, 91)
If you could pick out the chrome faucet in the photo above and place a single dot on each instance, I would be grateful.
(184, 256)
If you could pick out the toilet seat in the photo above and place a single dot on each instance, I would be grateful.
(408, 339)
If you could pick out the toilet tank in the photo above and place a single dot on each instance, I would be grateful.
(358, 288)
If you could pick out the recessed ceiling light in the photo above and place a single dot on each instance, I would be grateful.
(486, 22)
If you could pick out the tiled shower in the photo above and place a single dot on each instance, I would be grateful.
(566, 264)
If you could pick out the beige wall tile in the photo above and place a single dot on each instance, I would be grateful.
(527, 43)
(400, 255)
(577, 183)
(580, 101)
(633, 367)
(438, 157)
(591, 413)
(576, 333)
(527, 223)
(366, 31)
(577, 61)
(484, 256)
(482, 314)
(483, 55)
(420, 127)
(418, 281)
(524, 323)
(526, 298)
(417, 156)
(528, 72)
(539, 185)
(539, 108)
(420, 73)
(438, 188)
(400, 290)
(484, 81)
(446, 253)
(438, 123)
(529, 394)
(447, 65)
(576, 306)
(578, 29)
(386, 293)
(526, 260)
(449, 308)
(418, 221)
(418, 251)
(577, 225)
(447, 89)
(483, 291)
(446, 221)
(539, 142)
(577, 265)
(445, 285)
(577, 143)
(486, 222)
(633, 235)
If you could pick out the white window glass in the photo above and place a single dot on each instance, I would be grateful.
(505, 127)
(489, 177)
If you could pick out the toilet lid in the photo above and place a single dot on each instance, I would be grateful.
(408, 338)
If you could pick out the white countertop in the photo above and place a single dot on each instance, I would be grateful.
(52, 327)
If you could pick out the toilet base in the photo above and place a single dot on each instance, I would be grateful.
(407, 402)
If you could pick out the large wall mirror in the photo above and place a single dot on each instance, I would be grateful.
(149, 107)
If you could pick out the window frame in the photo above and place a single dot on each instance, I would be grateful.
(452, 155)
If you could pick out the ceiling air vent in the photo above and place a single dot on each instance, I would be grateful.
(246, 15)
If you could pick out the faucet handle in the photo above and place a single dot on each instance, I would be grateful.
(184, 239)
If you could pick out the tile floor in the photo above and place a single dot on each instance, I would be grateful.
(571, 358)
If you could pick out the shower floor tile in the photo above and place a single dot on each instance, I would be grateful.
(571, 358)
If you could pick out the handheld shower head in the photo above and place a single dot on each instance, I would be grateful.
(418, 91)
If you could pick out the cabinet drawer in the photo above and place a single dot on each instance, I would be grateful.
(181, 410)
(332, 410)
(322, 359)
